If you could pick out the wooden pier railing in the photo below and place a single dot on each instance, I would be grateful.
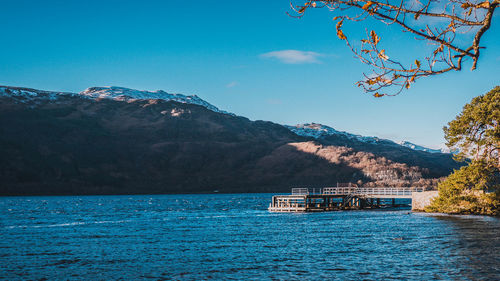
(340, 197)
(359, 191)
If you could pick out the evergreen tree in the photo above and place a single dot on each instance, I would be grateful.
(475, 134)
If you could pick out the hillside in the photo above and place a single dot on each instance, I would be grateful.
(111, 141)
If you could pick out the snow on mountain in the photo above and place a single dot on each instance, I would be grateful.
(314, 130)
(420, 148)
(29, 94)
(125, 94)
(319, 131)
(112, 92)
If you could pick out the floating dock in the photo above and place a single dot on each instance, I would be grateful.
(340, 198)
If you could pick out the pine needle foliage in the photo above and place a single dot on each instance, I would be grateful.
(475, 133)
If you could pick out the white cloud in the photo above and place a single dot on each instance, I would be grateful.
(232, 84)
(274, 101)
(293, 56)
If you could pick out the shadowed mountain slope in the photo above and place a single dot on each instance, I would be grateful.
(63, 143)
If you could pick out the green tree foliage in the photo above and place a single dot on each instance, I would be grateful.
(475, 133)
(472, 189)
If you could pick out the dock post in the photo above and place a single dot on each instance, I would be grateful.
(339, 198)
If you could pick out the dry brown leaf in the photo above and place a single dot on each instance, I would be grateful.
(439, 49)
(412, 79)
(466, 5)
(341, 34)
(371, 82)
(375, 38)
(382, 55)
(485, 5)
(367, 5)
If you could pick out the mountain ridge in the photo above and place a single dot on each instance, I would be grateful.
(319, 131)
(69, 144)
(314, 130)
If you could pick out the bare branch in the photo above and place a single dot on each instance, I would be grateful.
(461, 18)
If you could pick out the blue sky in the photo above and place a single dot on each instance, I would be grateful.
(236, 55)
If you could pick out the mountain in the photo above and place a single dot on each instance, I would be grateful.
(112, 140)
(421, 148)
(319, 131)
(125, 94)
(114, 93)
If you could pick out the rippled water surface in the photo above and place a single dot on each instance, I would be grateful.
(232, 236)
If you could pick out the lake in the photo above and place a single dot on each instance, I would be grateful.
(233, 236)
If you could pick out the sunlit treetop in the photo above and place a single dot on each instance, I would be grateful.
(453, 27)
(475, 132)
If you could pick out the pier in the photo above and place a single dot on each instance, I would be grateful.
(340, 198)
